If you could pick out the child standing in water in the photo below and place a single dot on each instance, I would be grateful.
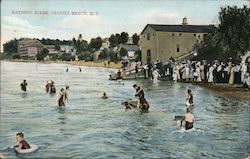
(22, 143)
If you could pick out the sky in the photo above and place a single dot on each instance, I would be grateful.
(65, 19)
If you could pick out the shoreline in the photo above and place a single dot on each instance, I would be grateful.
(76, 63)
(234, 91)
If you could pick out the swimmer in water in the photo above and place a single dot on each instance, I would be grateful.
(24, 86)
(189, 120)
(23, 144)
(189, 100)
(104, 96)
(61, 99)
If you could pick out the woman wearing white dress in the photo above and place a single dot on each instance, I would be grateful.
(198, 73)
(210, 74)
(155, 76)
(187, 72)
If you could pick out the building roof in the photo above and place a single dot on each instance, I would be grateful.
(182, 28)
(129, 47)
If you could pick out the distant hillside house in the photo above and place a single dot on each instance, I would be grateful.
(29, 47)
(105, 44)
(130, 40)
(132, 49)
(160, 42)
(68, 49)
(51, 48)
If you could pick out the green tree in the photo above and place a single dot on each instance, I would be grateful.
(135, 38)
(10, 47)
(95, 43)
(123, 38)
(80, 45)
(40, 56)
(57, 44)
(112, 56)
(54, 57)
(67, 57)
(233, 33)
(114, 40)
(15, 56)
(103, 55)
(85, 55)
(123, 52)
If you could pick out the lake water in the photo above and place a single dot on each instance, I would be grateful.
(94, 128)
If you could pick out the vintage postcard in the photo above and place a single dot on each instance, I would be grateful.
(125, 79)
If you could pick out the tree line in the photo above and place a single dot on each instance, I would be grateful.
(84, 50)
(230, 38)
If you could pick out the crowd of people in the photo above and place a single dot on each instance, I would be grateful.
(201, 71)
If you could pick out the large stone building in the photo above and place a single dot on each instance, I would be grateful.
(29, 47)
(161, 42)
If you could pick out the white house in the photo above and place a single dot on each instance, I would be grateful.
(68, 49)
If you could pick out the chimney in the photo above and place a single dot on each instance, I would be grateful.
(184, 21)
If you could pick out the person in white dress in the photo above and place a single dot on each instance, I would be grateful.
(210, 74)
(155, 76)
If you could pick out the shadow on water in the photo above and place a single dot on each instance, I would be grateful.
(24, 94)
(224, 105)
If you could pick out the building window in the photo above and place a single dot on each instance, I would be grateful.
(199, 36)
(177, 48)
(173, 34)
(180, 34)
(148, 36)
(194, 34)
(148, 56)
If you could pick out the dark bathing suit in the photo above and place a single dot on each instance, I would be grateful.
(190, 100)
(61, 102)
(23, 86)
(25, 145)
(143, 101)
(188, 125)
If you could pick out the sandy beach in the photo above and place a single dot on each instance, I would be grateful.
(94, 64)
(117, 65)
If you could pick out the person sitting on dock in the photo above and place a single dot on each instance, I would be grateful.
(104, 96)
(22, 144)
(24, 86)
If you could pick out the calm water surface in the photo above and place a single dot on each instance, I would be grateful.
(94, 128)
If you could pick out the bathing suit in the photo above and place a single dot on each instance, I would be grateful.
(52, 89)
(61, 102)
(144, 104)
(188, 125)
(190, 99)
(23, 86)
(25, 145)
